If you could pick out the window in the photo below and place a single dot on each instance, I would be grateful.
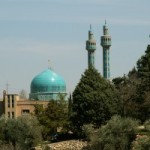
(12, 103)
(8, 101)
(25, 111)
(13, 115)
(8, 114)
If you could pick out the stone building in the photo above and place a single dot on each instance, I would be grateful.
(13, 107)
(45, 86)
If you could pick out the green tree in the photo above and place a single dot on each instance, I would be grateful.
(143, 90)
(23, 132)
(142, 141)
(34, 132)
(134, 89)
(2, 126)
(94, 100)
(70, 102)
(117, 134)
(48, 117)
(7, 146)
(127, 91)
(143, 67)
(54, 116)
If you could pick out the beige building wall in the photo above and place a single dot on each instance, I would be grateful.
(12, 106)
(25, 107)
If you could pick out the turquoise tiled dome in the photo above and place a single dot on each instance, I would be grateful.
(48, 81)
(47, 85)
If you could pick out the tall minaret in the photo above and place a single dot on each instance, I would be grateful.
(106, 43)
(91, 47)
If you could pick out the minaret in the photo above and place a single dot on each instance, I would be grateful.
(91, 47)
(106, 43)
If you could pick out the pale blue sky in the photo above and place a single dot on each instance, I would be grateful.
(33, 31)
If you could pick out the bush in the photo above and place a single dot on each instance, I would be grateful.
(20, 133)
(117, 134)
(142, 142)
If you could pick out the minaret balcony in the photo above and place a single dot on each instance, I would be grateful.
(106, 43)
(91, 47)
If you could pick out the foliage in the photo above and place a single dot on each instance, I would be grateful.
(142, 142)
(21, 133)
(89, 130)
(134, 90)
(2, 127)
(70, 102)
(142, 92)
(127, 90)
(94, 100)
(143, 66)
(54, 116)
(147, 125)
(15, 132)
(8, 146)
(117, 134)
(34, 136)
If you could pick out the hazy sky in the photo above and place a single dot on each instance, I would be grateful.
(33, 31)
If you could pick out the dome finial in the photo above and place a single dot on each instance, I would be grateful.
(49, 64)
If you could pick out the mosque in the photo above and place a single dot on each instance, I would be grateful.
(48, 85)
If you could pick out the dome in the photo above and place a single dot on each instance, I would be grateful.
(47, 83)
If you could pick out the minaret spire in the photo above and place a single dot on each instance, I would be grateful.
(91, 47)
(90, 27)
(106, 43)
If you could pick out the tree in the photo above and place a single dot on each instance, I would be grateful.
(70, 102)
(117, 134)
(34, 132)
(54, 116)
(143, 90)
(2, 126)
(134, 89)
(127, 91)
(22, 133)
(143, 67)
(141, 97)
(142, 141)
(94, 100)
